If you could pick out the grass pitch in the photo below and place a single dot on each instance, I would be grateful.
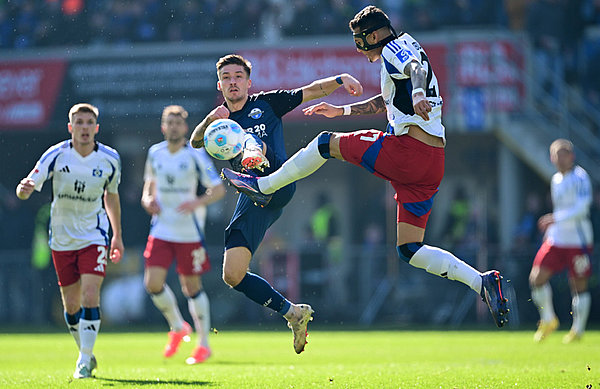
(333, 359)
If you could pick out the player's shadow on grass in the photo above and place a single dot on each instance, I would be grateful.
(155, 382)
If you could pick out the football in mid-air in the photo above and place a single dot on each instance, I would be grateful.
(224, 139)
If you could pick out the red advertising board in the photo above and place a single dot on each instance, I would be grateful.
(28, 92)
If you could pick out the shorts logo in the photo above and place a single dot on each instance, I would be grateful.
(256, 113)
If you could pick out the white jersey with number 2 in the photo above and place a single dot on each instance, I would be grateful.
(396, 88)
(77, 218)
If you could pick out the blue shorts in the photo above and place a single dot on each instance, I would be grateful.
(249, 223)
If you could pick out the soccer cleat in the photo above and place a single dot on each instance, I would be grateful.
(175, 338)
(199, 355)
(491, 293)
(571, 336)
(544, 329)
(253, 158)
(82, 371)
(299, 326)
(246, 184)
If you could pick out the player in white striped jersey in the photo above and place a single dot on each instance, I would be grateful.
(84, 173)
(567, 244)
(173, 171)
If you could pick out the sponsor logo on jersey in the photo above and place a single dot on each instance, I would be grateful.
(170, 179)
(79, 186)
(402, 55)
(256, 113)
(97, 172)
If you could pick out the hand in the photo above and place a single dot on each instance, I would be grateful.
(116, 249)
(545, 221)
(421, 105)
(25, 188)
(253, 158)
(188, 206)
(352, 85)
(324, 109)
(220, 112)
(151, 206)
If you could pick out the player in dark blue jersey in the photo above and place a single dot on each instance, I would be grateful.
(260, 114)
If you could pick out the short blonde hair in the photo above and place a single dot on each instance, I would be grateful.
(82, 107)
(561, 144)
(174, 110)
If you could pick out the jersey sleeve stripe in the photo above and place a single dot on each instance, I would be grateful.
(391, 69)
(53, 150)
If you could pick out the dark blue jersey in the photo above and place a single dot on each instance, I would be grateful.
(261, 115)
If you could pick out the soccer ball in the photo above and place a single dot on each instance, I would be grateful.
(224, 139)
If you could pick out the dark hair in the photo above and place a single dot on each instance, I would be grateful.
(369, 17)
(234, 59)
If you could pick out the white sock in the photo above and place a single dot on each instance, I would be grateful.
(581, 309)
(542, 298)
(445, 264)
(302, 164)
(74, 330)
(166, 303)
(87, 335)
(200, 310)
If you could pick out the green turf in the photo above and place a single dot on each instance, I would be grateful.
(358, 359)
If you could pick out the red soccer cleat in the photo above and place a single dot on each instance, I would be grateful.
(175, 338)
(199, 355)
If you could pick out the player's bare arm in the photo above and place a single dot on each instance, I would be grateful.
(371, 106)
(112, 203)
(25, 188)
(197, 138)
(418, 77)
(148, 201)
(211, 195)
(326, 86)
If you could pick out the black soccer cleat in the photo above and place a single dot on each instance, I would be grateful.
(491, 293)
(246, 184)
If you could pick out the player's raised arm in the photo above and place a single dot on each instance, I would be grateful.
(370, 106)
(326, 86)
(197, 138)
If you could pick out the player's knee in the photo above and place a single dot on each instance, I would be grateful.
(407, 250)
(153, 286)
(323, 144)
(232, 278)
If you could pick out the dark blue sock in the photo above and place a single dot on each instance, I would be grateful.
(91, 313)
(73, 319)
(261, 292)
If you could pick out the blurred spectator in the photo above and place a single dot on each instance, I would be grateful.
(527, 236)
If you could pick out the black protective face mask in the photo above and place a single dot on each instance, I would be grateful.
(360, 38)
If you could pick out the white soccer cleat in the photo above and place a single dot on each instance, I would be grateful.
(299, 325)
(82, 371)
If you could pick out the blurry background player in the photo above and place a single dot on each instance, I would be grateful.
(410, 155)
(260, 114)
(173, 171)
(567, 243)
(83, 173)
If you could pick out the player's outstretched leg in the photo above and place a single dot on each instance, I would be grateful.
(298, 318)
(491, 293)
(246, 184)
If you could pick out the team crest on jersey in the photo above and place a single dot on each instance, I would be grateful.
(97, 172)
(183, 166)
(256, 113)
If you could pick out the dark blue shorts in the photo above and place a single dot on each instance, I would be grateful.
(249, 223)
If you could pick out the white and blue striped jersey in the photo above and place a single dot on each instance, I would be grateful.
(571, 199)
(77, 217)
(176, 177)
(396, 88)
